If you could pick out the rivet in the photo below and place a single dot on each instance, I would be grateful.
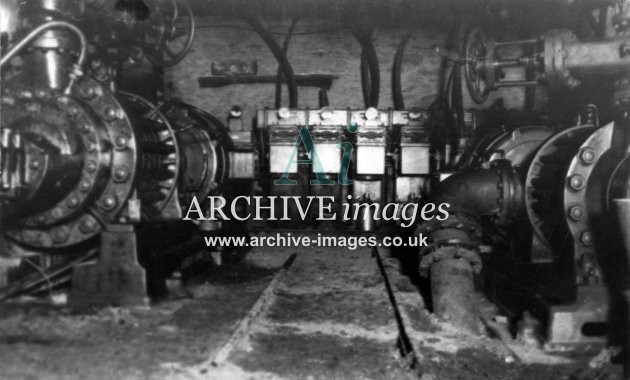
(40, 93)
(57, 213)
(90, 146)
(35, 164)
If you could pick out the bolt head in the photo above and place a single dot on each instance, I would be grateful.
(108, 203)
(120, 174)
(85, 186)
(587, 156)
(586, 238)
(87, 91)
(576, 213)
(87, 225)
(59, 235)
(121, 142)
(577, 182)
(110, 113)
(72, 202)
(73, 111)
(90, 167)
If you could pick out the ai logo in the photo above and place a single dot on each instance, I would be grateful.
(304, 137)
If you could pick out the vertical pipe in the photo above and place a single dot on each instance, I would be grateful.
(452, 287)
(622, 207)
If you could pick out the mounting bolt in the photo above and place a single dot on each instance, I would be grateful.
(121, 142)
(586, 238)
(72, 202)
(576, 213)
(110, 113)
(90, 146)
(576, 182)
(35, 164)
(73, 111)
(87, 225)
(108, 203)
(587, 156)
(120, 174)
(85, 186)
(87, 91)
(59, 235)
(90, 167)
(56, 213)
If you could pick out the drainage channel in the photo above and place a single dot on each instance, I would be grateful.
(328, 312)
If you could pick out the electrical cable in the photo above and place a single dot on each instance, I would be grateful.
(397, 95)
(370, 71)
(279, 54)
(285, 48)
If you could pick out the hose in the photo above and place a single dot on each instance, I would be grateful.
(366, 86)
(285, 48)
(397, 94)
(370, 71)
(279, 54)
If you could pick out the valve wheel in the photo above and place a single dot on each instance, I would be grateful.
(476, 50)
(170, 35)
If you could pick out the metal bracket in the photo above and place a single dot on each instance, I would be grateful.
(117, 277)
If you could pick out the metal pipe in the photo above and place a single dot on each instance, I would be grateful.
(39, 30)
(452, 285)
(530, 41)
(517, 83)
(622, 207)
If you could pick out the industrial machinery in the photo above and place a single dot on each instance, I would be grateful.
(94, 179)
(541, 212)
(98, 165)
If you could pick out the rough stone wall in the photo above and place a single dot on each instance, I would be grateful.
(334, 52)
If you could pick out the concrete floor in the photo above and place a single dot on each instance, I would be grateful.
(327, 316)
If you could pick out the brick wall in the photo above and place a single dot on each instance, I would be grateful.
(334, 52)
